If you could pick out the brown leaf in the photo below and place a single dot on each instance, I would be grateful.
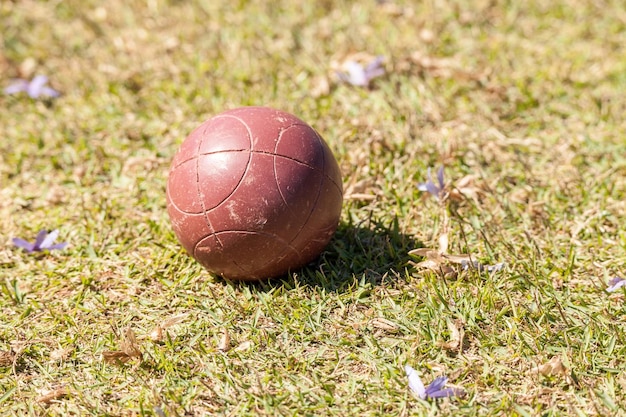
(49, 396)
(244, 346)
(443, 243)
(444, 270)
(443, 67)
(174, 320)
(395, 10)
(224, 344)
(156, 335)
(465, 188)
(129, 345)
(115, 356)
(434, 259)
(428, 264)
(426, 252)
(129, 349)
(553, 367)
(439, 261)
(458, 259)
(457, 333)
(384, 324)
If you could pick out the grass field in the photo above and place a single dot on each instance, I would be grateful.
(524, 105)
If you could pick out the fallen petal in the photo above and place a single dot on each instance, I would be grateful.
(41, 237)
(415, 382)
(17, 87)
(445, 393)
(615, 284)
(437, 384)
(48, 240)
(27, 246)
(36, 85)
(440, 178)
(50, 92)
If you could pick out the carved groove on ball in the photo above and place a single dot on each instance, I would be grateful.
(253, 193)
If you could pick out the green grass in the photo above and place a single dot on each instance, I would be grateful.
(524, 105)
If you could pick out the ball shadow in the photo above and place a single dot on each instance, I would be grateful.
(368, 252)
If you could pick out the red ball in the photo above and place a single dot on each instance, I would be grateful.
(254, 193)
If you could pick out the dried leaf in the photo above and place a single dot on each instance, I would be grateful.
(145, 163)
(156, 335)
(457, 333)
(443, 243)
(130, 346)
(434, 261)
(457, 259)
(224, 344)
(553, 367)
(48, 396)
(244, 346)
(465, 188)
(444, 270)
(426, 252)
(439, 261)
(428, 264)
(115, 356)
(174, 320)
(384, 324)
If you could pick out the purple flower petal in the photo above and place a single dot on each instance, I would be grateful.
(43, 241)
(431, 187)
(360, 76)
(58, 246)
(375, 64)
(440, 178)
(50, 92)
(49, 240)
(436, 385)
(16, 87)
(35, 86)
(40, 239)
(615, 284)
(374, 68)
(356, 74)
(444, 393)
(434, 390)
(27, 246)
(415, 382)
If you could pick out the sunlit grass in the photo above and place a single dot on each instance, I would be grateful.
(522, 104)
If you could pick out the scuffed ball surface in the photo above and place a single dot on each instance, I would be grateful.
(254, 193)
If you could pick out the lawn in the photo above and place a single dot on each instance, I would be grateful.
(497, 279)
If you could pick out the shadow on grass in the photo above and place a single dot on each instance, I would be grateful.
(370, 252)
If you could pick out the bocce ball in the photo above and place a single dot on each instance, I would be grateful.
(254, 193)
